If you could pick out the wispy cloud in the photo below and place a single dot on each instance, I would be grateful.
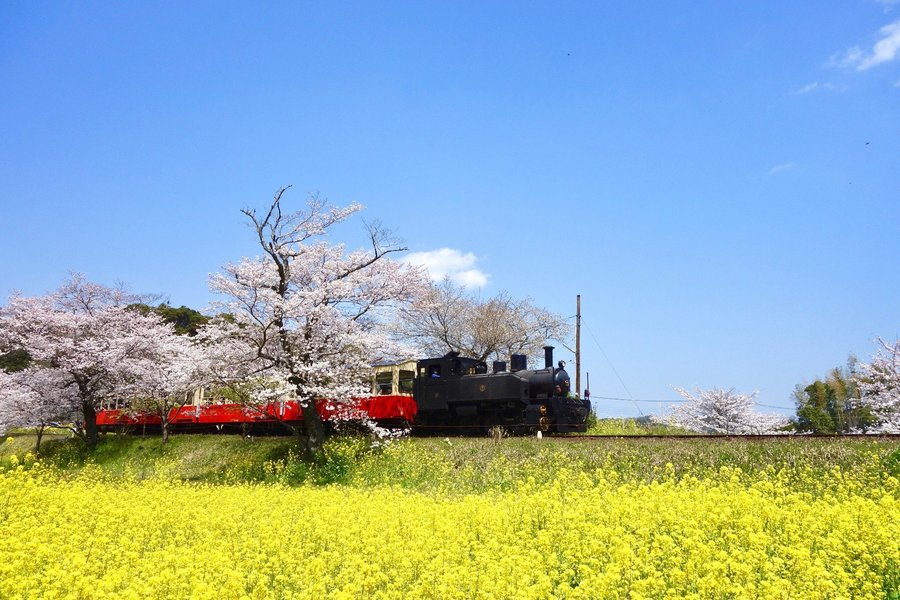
(780, 168)
(883, 51)
(815, 86)
(847, 59)
(448, 262)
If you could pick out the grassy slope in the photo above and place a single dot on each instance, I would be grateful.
(189, 457)
(464, 465)
(630, 426)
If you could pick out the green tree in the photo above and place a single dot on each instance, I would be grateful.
(15, 360)
(831, 405)
(186, 320)
(815, 408)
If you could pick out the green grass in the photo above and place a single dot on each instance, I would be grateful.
(631, 426)
(188, 457)
(461, 465)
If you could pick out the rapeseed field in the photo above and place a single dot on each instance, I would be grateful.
(545, 530)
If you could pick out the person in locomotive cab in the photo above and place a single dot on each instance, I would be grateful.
(564, 391)
(564, 388)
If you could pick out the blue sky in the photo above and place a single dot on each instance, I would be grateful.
(720, 182)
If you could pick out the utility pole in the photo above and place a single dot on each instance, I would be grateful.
(578, 347)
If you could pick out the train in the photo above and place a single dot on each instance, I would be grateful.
(450, 393)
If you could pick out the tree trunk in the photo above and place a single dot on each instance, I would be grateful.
(37, 442)
(91, 434)
(313, 431)
(165, 432)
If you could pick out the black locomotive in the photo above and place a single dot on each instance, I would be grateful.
(460, 392)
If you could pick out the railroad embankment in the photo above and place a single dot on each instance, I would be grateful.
(466, 465)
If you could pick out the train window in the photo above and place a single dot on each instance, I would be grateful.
(434, 371)
(454, 368)
(406, 380)
(384, 383)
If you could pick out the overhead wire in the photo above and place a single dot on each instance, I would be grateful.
(631, 397)
(609, 362)
(613, 398)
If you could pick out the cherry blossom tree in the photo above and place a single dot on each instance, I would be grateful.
(165, 373)
(879, 385)
(720, 411)
(24, 402)
(88, 349)
(448, 318)
(311, 312)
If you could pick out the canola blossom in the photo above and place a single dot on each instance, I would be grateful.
(726, 534)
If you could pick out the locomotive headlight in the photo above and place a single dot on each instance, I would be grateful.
(543, 409)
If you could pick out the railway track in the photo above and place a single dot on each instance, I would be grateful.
(469, 431)
(727, 437)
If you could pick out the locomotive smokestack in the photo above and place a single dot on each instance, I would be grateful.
(548, 357)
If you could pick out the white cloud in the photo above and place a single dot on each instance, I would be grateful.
(448, 262)
(885, 50)
(816, 86)
(849, 58)
(781, 168)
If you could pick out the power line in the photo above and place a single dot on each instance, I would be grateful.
(773, 406)
(637, 400)
(615, 399)
(609, 362)
(631, 397)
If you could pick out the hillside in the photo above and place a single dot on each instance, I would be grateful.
(465, 464)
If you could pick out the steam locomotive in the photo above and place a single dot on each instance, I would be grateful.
(459, 392)
(434, 394)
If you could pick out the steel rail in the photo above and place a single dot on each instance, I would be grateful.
(701, 436)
